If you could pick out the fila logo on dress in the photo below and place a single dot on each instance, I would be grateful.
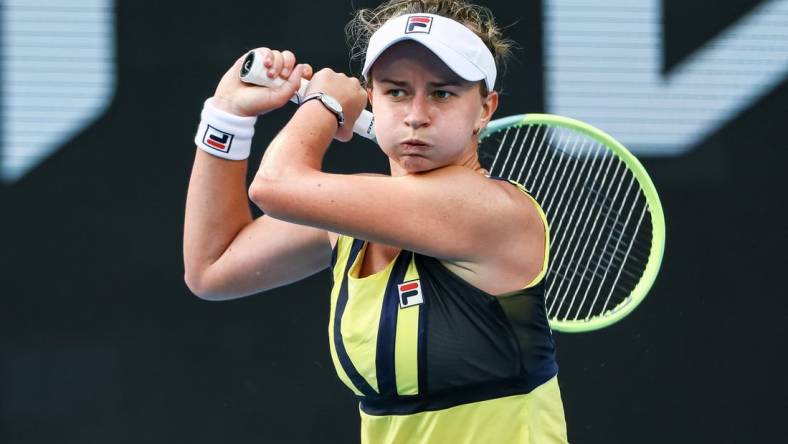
(418, 24)
(410, 294)
(217, 139)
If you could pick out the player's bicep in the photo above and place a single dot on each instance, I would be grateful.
(445, 213)
(267, 253)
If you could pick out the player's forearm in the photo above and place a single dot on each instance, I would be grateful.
(295, 155)
(301, 144)
(217, 208)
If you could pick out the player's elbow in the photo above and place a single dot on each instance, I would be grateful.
(265, 193)
(195, 285)
(200, 286)
(257, 193)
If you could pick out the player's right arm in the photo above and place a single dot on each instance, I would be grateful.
(227, 253)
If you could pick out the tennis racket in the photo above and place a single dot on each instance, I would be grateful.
(253, 71)
(607, 228)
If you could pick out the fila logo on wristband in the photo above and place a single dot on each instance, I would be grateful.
(232, 145)
(217, 139)
(410, 294)
(418, 24)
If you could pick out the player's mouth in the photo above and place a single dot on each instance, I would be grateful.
(414, 146)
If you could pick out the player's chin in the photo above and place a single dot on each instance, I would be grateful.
(414, 163)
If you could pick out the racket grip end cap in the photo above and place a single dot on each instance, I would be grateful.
(253, 71)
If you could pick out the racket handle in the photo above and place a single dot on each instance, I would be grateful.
(253, 71)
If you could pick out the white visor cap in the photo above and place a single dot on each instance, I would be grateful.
(457, 46)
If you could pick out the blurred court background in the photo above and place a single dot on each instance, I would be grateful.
(101, 341)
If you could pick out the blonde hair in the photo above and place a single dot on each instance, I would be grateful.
(478, 19)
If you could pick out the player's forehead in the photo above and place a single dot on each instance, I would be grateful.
(412, 60)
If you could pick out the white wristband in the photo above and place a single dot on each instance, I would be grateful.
(223, 134)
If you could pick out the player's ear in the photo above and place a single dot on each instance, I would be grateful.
(489, 105)
(368, 86)
(369, 93)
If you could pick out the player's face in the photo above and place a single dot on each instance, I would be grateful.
(425, 114)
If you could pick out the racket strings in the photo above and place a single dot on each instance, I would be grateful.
(543, 148)
(571, 253)
(626, 256)
(581, 253)
(609, 257)
(599, 219)
(595, 247)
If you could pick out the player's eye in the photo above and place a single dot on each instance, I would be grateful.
(396, 93)
(442, 94)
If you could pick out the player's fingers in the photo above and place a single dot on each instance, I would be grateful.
(230, 81)
(283, 93)
(308, 71)
(276, 68)
(288, 59)
(266, 56)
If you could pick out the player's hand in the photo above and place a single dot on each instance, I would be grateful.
(244, 99)
(347, 91)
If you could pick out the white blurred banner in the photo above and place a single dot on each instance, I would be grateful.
(603, 62)
(604, 65)
(57, 74)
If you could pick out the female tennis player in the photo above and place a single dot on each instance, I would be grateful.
(437, 318)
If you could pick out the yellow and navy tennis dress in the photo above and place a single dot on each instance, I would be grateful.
(433, 359)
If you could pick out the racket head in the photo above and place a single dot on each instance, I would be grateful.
(605, 245)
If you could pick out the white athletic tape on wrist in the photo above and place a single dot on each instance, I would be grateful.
(223, 134)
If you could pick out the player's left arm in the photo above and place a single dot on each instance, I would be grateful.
(451, 213)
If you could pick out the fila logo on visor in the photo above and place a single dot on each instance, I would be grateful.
(410, 294)
(418, 24)
(217, 139)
